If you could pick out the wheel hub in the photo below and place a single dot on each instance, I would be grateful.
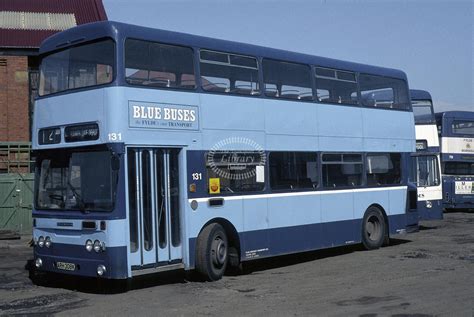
(373, 228)
(219, 252)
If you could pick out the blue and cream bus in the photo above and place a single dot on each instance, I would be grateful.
(456, 132)
(426, 166)
(158, 151)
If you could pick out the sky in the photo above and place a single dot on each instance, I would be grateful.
(432, 41)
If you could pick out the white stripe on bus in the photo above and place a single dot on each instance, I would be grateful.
(307, 193)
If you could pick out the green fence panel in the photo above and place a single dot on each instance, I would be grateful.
(16, 202)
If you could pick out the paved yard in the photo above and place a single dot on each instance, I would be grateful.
(430, 272)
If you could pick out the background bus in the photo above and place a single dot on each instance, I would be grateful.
(159, 150)
(426, 166)
(456, 132)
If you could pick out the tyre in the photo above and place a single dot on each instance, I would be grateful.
(212, 252)
(374, 229)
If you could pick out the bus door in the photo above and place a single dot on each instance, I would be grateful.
(153, 204)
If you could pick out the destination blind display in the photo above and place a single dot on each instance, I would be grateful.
(421, 145)
(163, 116)
(464, 188)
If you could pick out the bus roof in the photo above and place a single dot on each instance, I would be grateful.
(418, 94)
(118, 31)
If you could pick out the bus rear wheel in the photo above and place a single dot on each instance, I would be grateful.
(212, 252)
(374, 229)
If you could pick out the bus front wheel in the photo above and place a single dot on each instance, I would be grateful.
(374, 229)
(212, 252)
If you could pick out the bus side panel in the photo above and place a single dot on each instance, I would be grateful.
(337, 208)
(295, 223)
(288, 118)
(255, 219)
(395, 135)
(346, 134)
(397, 213)
(274, 142)
(246, 117)
(363, 200)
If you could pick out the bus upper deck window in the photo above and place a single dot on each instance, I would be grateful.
(383, 92)
(229, 73)
(287, 80)
(336, 86)
(159, 65)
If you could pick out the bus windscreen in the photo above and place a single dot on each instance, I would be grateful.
(82, 181)
(463, 127)
(423, 111)
(77, 67)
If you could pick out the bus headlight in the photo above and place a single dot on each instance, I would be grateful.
(41, 241)
(101, 270)
(89, 245)
(38, 263)
(97, 246)
(47, 242)
(429, 204)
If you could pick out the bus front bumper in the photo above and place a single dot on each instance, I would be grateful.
(430, 210)
(76, 260)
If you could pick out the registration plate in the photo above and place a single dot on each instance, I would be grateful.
(66, 266)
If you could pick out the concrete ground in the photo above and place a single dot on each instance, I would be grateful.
(430, 272)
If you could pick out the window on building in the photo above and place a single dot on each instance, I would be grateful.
(336, 86)
(159, 65)
(293, 170)
(383, 169)
(229, 73)
(287, 80)
(342, 170)
(384, 92)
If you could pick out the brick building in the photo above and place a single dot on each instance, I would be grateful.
(24, 24)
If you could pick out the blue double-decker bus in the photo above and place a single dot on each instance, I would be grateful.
(456, 132)
(426, 166)
(159, 151)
